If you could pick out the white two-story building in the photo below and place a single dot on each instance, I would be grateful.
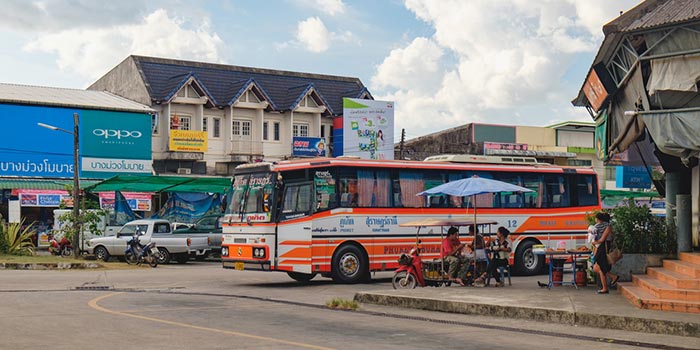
(212, 117)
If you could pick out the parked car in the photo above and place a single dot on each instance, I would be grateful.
(174, 247)
(208, 226)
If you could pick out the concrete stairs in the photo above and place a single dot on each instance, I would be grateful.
(673, 287)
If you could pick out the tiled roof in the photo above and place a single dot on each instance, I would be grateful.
(51, 96)
(655, 13)
(223, 83)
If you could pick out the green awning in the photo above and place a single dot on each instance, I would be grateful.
(150, 183)
(626, 194)
(41, 184)
(203, 184)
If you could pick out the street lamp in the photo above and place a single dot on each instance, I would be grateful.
(76, 176)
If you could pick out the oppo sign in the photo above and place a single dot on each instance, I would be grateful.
(118, 134)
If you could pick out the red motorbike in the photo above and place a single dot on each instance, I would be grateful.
(410, 271)
(62, 248)
(414, 271)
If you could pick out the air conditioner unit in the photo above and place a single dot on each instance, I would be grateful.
(184, 171)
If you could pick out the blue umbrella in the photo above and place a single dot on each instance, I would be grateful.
(473, 186)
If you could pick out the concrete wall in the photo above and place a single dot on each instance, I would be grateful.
(124, 80)
(535, 135)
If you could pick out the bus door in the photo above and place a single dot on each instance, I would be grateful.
(295, 228)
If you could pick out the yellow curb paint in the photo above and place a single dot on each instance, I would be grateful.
(94, 304)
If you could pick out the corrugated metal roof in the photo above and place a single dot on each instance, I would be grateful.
(61, 97)
(41, 184)
(655, 13)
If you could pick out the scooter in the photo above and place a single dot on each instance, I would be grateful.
(410, 271)
(136, 253)
(62, 248)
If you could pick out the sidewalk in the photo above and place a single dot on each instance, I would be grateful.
(526, 300)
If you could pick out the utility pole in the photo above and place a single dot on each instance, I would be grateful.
(403, 138)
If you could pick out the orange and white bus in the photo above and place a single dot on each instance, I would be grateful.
(340, 217)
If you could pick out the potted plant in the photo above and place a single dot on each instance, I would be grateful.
(645, 239)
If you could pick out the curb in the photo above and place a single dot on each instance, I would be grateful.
(49, 266)
(635, 324)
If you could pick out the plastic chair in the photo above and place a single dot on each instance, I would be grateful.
(503, 271)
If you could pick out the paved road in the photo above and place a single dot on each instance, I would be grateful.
(202, 306)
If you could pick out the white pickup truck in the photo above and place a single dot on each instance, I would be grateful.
(173, 247)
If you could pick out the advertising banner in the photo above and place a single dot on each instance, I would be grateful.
(27, 149)
(309, 147)
(136, 200)
(110, 142)
(188, 207)
(44, 198)
(115, 143)
(368, 128)
(188, 141)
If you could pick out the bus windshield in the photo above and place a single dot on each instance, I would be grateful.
(251, 197)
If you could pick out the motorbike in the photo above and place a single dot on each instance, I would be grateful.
(60, 248)
(414, 271)
(136, 253)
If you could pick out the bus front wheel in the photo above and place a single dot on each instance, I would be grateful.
(301, 277)
(527, 263)
(349, 265)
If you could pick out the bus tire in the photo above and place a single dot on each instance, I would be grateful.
(350, 265)
(527, 263)
(301, 277)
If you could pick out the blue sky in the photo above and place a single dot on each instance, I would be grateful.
(444, 62)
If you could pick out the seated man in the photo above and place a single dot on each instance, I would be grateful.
(451, 254)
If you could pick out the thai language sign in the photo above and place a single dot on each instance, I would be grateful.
(188, 141)
(308, 147)
(110, 142)
(368, 128)
(136, 200)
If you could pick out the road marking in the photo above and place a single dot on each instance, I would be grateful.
(94, 304)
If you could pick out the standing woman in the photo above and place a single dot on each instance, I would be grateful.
(603, 242)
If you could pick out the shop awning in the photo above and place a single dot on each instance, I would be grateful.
(627, 194)
(150, 183)
(41, 184)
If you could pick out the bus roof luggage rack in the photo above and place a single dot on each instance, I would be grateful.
(475, 158)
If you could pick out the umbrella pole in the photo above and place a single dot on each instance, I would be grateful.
(474, 200)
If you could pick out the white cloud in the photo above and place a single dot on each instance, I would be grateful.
(490, 61)
(329, 7)
(313, 35)
(92, 52)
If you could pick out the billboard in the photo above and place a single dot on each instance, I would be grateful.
(110, 142)
(308, 147)
(368, 128)
(188, 141)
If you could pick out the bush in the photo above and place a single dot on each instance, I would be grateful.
(637, 231)
(17, 238)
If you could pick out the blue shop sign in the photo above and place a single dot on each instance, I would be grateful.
(632, 177)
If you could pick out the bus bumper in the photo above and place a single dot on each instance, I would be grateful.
(246, 265)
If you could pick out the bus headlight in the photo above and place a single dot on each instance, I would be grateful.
(224, 251)
(259, 253)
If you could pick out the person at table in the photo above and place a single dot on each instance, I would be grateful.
(500, 250)
(451, 253)
(480, 260)
(603, 241)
